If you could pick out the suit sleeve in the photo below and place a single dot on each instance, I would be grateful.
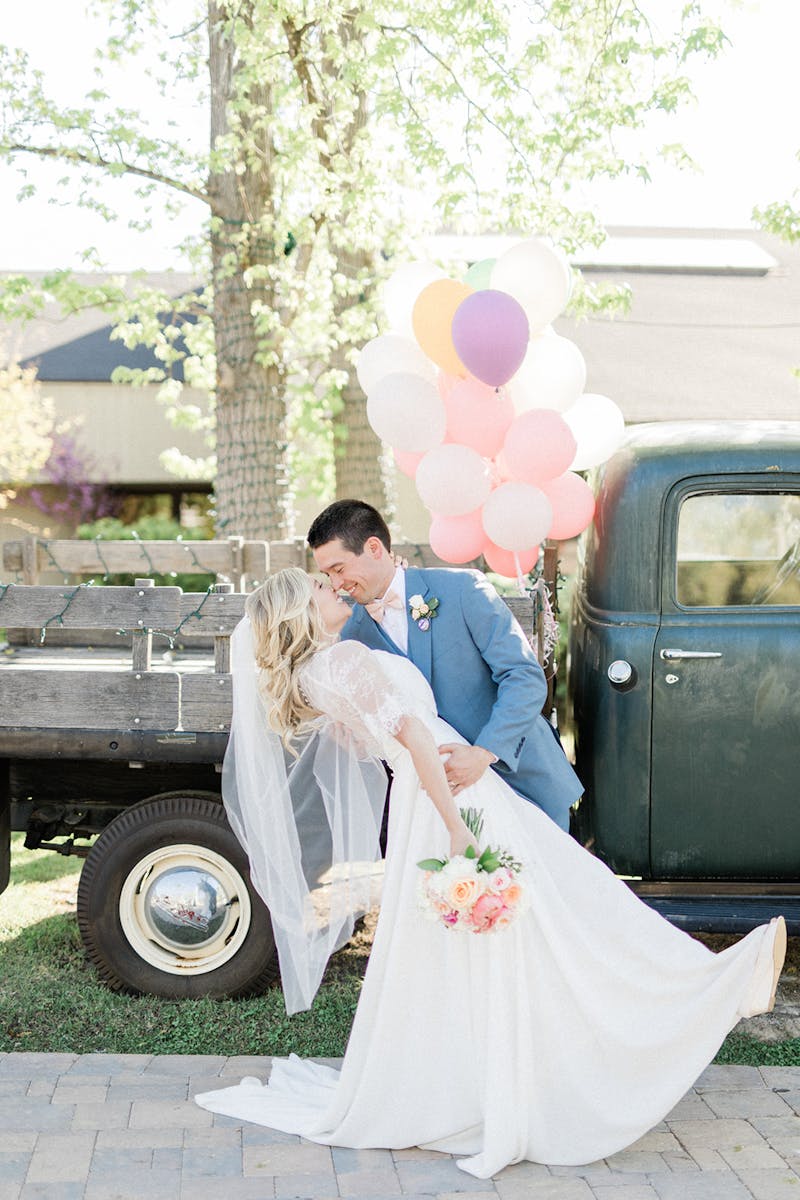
(521, 685)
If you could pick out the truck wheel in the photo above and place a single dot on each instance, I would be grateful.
(166, 906)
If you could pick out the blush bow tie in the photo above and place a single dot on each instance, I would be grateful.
(377, 608)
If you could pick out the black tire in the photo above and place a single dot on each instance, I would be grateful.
(178, 837)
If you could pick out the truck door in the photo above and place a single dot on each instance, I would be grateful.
(726, 700)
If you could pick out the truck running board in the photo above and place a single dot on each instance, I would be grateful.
(725, 913)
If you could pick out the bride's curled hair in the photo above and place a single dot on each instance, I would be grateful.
(287, 631)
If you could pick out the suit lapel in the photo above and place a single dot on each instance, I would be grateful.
(420, 643)
(362, 627)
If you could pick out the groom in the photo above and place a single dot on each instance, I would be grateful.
(455, 628)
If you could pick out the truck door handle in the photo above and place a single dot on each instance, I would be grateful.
(674, 655)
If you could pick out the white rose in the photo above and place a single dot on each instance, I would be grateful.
(416, 601)
(458, 866)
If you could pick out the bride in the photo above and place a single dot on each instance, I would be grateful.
(560, 1039)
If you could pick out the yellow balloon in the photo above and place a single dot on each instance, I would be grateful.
(432, 319)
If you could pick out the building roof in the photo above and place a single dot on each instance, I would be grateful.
(79, 347)
(713, 330)
(696, 344)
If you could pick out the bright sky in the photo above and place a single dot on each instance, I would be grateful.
(742, 132)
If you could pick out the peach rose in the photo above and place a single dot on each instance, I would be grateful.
(462, 892)
(512, 894)
(504, 919)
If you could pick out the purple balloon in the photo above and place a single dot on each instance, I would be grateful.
(490, 333)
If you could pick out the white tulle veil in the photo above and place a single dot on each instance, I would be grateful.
(310, 826)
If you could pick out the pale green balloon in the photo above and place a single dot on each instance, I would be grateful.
(479, 274)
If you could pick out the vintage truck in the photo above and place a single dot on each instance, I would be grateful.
(684, 630)
(682, 670)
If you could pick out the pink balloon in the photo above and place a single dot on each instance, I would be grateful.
(446, 383)
(478, 416)
(500, 471)
(407, 461)
(539, 445)
(502, 561)
(573, 505)
(457, 539)
(490, 333)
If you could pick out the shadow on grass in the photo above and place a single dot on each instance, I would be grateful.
(40, 866)
(48, 867)
(51, 1001)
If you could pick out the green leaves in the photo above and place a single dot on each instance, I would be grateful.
(432, 864)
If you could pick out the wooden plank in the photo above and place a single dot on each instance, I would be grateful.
(87, 556)
(522, 608)
(210, 613)
(117, 700)
(206, 703)
(291, 553)
(256, 561)
(82, 607)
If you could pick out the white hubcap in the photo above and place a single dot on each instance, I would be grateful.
(185, 910)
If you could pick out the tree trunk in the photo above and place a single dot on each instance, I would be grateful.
(252, 487)
(361, 473)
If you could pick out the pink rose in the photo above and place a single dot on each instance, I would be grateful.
(485, 911)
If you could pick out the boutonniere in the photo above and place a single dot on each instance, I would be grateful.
(423, 611)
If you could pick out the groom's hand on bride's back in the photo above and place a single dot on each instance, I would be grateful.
(464, 765)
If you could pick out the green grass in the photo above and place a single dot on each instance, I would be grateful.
(50, 999)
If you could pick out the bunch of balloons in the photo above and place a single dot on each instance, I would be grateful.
(483, 405)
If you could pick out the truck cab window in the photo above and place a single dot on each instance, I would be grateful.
(739, 549)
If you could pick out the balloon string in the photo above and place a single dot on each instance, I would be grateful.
(523, 591)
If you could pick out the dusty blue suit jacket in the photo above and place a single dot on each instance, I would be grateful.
(486, 681)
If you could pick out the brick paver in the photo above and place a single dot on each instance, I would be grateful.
(120, 1127)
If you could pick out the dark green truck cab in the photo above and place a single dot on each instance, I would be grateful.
(683, 668)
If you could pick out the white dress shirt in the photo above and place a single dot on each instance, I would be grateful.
(395, 620)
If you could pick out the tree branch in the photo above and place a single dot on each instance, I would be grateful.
(64, 154)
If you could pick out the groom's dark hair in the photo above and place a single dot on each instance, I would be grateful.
(352, 522)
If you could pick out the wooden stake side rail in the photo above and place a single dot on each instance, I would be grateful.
(79, 694)
(233, 560)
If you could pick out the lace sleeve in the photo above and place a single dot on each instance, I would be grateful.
(346, 683)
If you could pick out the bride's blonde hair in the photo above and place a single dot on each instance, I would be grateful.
(287, 631)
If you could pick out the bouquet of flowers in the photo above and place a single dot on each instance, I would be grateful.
(472, 892)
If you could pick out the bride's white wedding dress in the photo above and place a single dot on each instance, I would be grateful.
(561, 1039)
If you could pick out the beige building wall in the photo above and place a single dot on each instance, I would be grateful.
(124, 429)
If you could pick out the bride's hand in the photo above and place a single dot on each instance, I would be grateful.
(460, 839)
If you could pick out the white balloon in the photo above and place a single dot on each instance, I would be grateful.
(453, 480)
(552, 375)
(389, 354)
(407, 412)
(598, 426)
(538, 276)
(400, 292)
(517, 516)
